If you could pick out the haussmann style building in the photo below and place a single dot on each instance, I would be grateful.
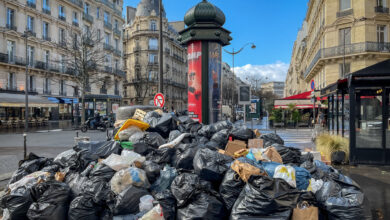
(141, 38)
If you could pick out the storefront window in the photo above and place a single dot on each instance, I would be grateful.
(369, 121)
(388, 123)
(346, 115)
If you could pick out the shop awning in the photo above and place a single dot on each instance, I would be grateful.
(304, 95)
(18, 100)
(299, 103)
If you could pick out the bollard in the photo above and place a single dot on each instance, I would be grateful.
(25, 145)
(77, 134)
(108, 138)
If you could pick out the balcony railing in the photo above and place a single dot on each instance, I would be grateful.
(107, 69)
(347, 50)
(88, 17)
(32, 33)
(117, 52)
(107, 47)
(46, 38)
(107, 25)
(103, 91)
(344, 13)
(381, 9)
(153, 48)
(31, 4)
(62, 44)
(76, 2)
(11, 27)
(62, 93)
(46, 10)
(46, 92)
(116, 92)
(75, 23)
(62, 17)
(120, 73)
(153, 63)
(117, 32)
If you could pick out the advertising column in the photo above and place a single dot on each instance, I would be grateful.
(195, 80)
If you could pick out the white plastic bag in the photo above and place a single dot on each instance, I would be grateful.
(132, 156)
(175, 142)
(287, 173)
(315, 185)
(154, 214)
(146, 203)
(30, 180)
(117, 162)
(125, 134)
(126, 177)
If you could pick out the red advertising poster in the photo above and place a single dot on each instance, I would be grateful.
(195, 80)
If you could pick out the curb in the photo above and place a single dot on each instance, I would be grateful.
(5, 176)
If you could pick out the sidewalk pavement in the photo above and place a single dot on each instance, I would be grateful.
(65, 125)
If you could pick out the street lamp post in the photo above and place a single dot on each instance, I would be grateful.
(160, 48)
(233, 53)
(26, 35)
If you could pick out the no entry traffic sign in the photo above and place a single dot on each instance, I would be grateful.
(159, 100)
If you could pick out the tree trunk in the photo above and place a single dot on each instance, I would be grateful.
(83, 106)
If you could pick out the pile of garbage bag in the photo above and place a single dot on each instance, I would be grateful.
(168, 167)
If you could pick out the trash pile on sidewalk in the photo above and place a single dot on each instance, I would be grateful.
(168, 167)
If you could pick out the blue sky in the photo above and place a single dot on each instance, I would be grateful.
(271, 25)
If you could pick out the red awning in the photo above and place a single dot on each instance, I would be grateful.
(304, 95)
(297, 106)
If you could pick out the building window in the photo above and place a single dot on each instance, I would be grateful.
(86, 8)
(345, 5)
(108, 60)
(46, 4)
(345, 36)
(381, 32)
(75, 18)
(46, 86)
(11, 81)
(107, 39)
(381, 3)
(150, 77)
(10, 18)
(107, 17)
(153, 44)
(62, 88)
(116, 65)
(47, 57)
(61, 36)
(116, 24)
(98, 12)
(30, 55)
(116, 44)
(75, 40)
(138, 26)
(153, 58)
(344, 70)
(153, 25)
(61, 11)
(98, 35)
(62, 64)
(11, 51)
(30, 23)
(45, 30)
(116, 85)
(31, 84)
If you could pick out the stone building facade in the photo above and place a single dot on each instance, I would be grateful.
(141, 38)
(338, 37)
(276, 88)
(49, 24)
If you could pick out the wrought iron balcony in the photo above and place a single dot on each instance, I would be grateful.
(62, 93)
(107, 69)
(107, 25)
(62, 17)
(32, 33)
(11, 27)
(107, 47)
(46, 92)
(76, 2)
(103, 91)
(46, 38)
(46, 10)
(31, 4)
(117, 32)
(153, 48)
(88, 17)
(120, 73)
(381, 9)
(344, 13)
(75, 23)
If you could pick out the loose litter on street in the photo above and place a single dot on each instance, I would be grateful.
(168, 167)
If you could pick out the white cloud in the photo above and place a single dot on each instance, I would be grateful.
(268, 72)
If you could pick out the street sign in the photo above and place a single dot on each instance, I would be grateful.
(312, 85)
(159, 100)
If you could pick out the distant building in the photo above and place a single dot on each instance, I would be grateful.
(141, 58)
(338, 37)
(228, 85)
(276, 88)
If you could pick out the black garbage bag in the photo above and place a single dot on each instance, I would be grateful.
(307, 157)
(51, 201)
(265, 198)
(75, 181)
(207, 131)
(154, 139)
(165, 124)
(168, 204)
(341, 202)
(162, 156)
(83, 208)
(128, 200)
(338, 157)
(17, 203)
(152, 118)
(167, 175)
(270, 139)
(72, 160)
(231, 188)
(290, 155)
(30, 165)
(142, 149)
(97, 189)
(173, 135)
(152, 170)
(51, 169)
(99, 149)
(102, 172)
(221, 138)
(203, 206)
(211, 165)
(184, 156)
(242, 133)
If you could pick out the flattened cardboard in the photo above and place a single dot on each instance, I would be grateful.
(255, 143)
(234, 146)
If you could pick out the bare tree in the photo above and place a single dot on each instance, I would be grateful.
(86, 61)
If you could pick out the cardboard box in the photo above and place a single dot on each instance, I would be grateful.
(255, 143)
(257, 133)
(234, 146)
